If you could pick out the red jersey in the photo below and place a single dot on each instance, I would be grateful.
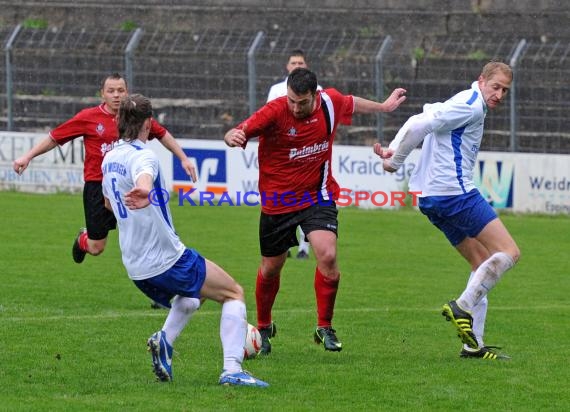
(99, 130)
(295, 154)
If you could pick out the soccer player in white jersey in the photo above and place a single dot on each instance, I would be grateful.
(156, 260)
(451, 133)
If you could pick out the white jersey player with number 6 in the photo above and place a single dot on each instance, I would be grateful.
(149, 244)
(156, 260)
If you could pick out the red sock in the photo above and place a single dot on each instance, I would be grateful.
(83, 242)
(325, 291)
(265, 292)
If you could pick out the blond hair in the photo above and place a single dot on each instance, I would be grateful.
(492, 68)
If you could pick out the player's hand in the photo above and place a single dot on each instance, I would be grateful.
(388, 167)
(236, 137)
(190, 170)
(397, 97)
(137, 198)
(383, 153)
(20, 165)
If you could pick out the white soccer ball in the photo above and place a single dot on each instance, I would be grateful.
(252, 342)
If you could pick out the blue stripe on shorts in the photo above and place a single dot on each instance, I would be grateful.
(185, 278)
(458, 216)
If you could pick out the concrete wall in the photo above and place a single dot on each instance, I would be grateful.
(396, 17)
(493, 26)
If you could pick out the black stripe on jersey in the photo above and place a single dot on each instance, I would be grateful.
(327, 118)
(325, 102)
(322, 192)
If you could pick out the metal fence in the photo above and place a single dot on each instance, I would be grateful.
(202, 83)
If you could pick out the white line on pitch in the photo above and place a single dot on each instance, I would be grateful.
(210, 312)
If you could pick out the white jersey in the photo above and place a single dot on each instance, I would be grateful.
(450, 148)
(149, 244)
(277, 90)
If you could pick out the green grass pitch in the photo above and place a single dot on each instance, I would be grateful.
(73, 337)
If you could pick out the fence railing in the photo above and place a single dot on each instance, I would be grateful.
(205, 82)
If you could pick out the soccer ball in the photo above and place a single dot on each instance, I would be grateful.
(252, 342)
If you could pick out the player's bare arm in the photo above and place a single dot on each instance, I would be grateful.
(137, 198)
(108, 204)
(42, 147)
(171, 144)
(396, 98)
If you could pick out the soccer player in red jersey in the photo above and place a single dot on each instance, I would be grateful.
(97, 125)
(296, 59)
(296, 134)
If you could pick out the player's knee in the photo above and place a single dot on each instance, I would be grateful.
(271, 268)
(516, 256)
(187, 305)
(271, 273)
(515, 253)
(327, 260)
(236, 293)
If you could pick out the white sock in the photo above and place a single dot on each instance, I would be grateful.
(178, 316)
(479, 313)
(303, 244)
(484, 279)
(233, 330)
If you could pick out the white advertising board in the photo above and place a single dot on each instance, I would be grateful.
(59, 170)
(522, 182)
(525, 182)
(235, 171)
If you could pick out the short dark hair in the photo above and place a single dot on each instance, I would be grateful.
(297, 52)
(112, 76)
(302, 80)
(133, 112)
